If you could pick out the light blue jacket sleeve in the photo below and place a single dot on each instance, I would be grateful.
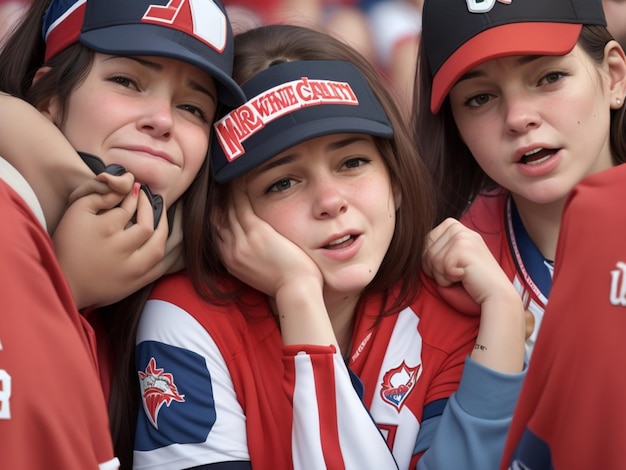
(471, 432)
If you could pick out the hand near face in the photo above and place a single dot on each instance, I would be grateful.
(458, 255)
(258, 255)
(105, 256)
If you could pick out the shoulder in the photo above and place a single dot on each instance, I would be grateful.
(486, 213)
(446, 319)
(175, 308)
(600, 193)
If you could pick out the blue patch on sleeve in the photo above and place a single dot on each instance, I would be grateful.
(178, 406)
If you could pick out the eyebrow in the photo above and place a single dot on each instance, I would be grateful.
(193, 84)
(335, 145)
(527, 59)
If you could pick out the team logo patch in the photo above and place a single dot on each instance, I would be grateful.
(398, 383)
(157, 389)
(483, 6)
(201, 19)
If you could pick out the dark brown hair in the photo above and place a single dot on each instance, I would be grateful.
(457, 176)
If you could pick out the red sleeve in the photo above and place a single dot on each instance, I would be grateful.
(52, 411)
(571, 412)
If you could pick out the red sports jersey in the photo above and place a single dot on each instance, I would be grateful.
(52, 411)
(218, 385)
(494, 217)
(571, 411)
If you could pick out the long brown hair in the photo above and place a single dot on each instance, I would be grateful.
(457, 176)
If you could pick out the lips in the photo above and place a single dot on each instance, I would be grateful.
(340, 243)
(537, 156)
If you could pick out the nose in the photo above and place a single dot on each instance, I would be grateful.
(520, 114)
(329, 198)
(157, 118)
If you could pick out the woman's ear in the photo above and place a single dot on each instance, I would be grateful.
(50, 108)
(616, 62)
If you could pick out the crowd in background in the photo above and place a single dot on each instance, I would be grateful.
(386, 32)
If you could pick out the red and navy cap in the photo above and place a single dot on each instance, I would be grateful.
(290, 103)
(461, 34)
(197, 32)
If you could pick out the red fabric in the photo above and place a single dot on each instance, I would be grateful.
(249, 341)
(52, 411)
(573, 395)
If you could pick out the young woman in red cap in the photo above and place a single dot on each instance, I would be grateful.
(516, 103)
(520, 116)
(136, 84)
(319, 341)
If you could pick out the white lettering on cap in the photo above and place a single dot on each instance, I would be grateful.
(248, 119)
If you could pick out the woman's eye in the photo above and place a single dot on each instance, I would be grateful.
(281, 185)
(552, 77)
(195, 111)
(124, 81)
(356, 162)
(478, 100)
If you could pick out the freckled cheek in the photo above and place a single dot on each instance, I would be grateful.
(287, 221)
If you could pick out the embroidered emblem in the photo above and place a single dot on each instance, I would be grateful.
(618, 285)
(157, 389)
(483, 6)
(240, 124)
(201, 19)
(398, 383)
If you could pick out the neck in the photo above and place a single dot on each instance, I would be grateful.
(542, 223)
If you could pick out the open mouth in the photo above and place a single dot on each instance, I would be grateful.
(537, 156)
(340, 243)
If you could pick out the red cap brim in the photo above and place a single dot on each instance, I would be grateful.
(501, 41)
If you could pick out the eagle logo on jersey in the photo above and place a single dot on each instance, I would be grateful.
(398, 383)
(157, 389)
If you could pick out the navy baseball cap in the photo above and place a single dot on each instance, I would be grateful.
(197, 32)
(290, 103)
(461, 34)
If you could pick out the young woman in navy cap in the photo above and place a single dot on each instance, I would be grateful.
(318, 340)
(136, 84)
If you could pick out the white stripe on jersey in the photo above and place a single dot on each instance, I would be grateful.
(110, 465)
(306, 417)
(405, 337)
(352, 419)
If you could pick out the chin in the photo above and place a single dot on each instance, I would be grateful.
(349, 280)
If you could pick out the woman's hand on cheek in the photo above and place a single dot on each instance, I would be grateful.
(254, 252)
(104, 255)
